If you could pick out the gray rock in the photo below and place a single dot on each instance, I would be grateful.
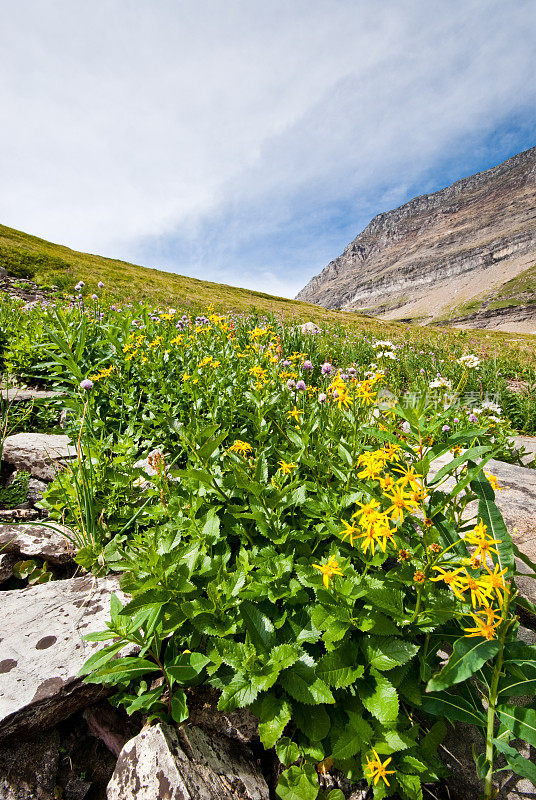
(42, 650)
(42, 454)
(31, 541)
(6, 566)
(36, 489)
(188, 764)
(241, 725)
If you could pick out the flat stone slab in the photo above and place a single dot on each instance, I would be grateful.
(42, 454)
(188, 764)
(37, 541)
(42, 650)
(16, 394)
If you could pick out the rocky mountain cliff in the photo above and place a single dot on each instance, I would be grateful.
(465, 254)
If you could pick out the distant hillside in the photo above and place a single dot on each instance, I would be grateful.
(27, 256)
(465, 254)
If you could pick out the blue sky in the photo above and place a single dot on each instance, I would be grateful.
(248, 141)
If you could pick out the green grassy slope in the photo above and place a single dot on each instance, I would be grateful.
(46, 263)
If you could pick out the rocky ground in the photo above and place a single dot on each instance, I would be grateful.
(60, 738)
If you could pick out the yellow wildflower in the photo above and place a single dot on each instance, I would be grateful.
(487, 628)
(241, 447)
(328, 570)
(378, 769)
(286, 468)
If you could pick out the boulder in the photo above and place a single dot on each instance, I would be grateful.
(7, 562)
(42, 650)
(42, 454)
(31, 541)
(185, 764)
(309, 327)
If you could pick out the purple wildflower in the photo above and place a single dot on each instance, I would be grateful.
(473, 418)
(446, 428)
(455, 420)
(291, 384)
(86, 384)
(327, 369)
(322, 397)
(307, 364)
(100, 285)
(301, 386)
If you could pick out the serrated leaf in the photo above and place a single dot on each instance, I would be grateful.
(385, 653)
(259, 627)
(469, 654)
(274, 715)
(381, 699)
(410, 786)
(353, 739)
(298, 783)
(238, 693)
(338, 668)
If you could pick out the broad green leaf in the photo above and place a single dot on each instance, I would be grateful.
(122, 669)
(298, 783)
(274, 715)
(472, 453)
(314, 721)
(384, 595)
(521, 721)
(101, 657)
(186, 667)
(492, 517)
(287, 751)
(302, 684)
(381, 699)
(145, 700)
(384, 653)
(468, 656)
(259, 627)
(453, 707)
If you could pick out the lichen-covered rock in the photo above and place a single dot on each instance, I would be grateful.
(188, 764)
(7, 561)
(42, 650)
(37, 541)
(28, 768)
(42, 454)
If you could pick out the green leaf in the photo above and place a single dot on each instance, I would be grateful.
(287, 751)
(338, 668)
(492, 517)
(384, 595)
(179, 707)
(298, 783)
(516, 762)
(274, 715)
(410, 786)
(302, 684)
(468, 656)
(313, 721)
(121, 669)
(353, 739)
(381, 699)
(385, 653)
(453, 707)
(259, 627)
(186, 667)
(472, 453)
(521, 721)
(237, 694)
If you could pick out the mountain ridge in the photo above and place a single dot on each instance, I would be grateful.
(440, 250)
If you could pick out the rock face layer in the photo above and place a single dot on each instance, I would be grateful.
(431, 256)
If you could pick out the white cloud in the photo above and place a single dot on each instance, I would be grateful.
(197, 134)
